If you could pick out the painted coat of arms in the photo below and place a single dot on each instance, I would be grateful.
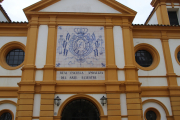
(80, 46)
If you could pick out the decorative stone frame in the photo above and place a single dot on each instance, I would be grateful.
(154, 110)
(7, 110)
(152, 50)
(175, 54)
(5, 49)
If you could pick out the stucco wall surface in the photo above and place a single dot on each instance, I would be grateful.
(123, 104)
(121, 75)
(9, 82)
(37, 104)
(39, 75)
(153, 81)
(41, 46)
(11, 99)
(178, 81)
(153, 19)
(119, 51)
(173, 44)
(91, 6)
(2, 17)
(118, 46)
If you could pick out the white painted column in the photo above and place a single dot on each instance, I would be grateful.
(123, 105)
(118, 46)
(36, 107)
(41, 51)
(119, 51)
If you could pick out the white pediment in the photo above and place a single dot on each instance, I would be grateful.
(88, 6)
(2, 17)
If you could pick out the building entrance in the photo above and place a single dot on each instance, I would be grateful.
(80, 109)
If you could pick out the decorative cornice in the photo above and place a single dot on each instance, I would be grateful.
(154, 3)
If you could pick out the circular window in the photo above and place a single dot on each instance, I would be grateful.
(143, 58)
(177, 54)
(152, 114)
(6, 116)
(12, 55)
(15, 57)
(146, 56)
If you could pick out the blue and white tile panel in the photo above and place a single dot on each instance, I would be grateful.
(80, 47)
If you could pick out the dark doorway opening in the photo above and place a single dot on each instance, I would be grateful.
(80, 109)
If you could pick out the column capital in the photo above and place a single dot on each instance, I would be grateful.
(109, 23)
(164, 36)
(127, 26)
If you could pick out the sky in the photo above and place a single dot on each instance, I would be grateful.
(14, 9)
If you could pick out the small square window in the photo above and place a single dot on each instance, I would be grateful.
(173, 19)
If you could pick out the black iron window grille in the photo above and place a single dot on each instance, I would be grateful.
(178, 56)
(15, 57)
(80, 109)
(143, 58)
(6, 116)
(151, 115)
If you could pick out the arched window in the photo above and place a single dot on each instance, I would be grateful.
(80, 109)
(6, 115)
(151, 115)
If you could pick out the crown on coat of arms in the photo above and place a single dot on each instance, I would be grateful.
(81, 31)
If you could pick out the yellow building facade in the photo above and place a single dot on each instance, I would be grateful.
(82, 50)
